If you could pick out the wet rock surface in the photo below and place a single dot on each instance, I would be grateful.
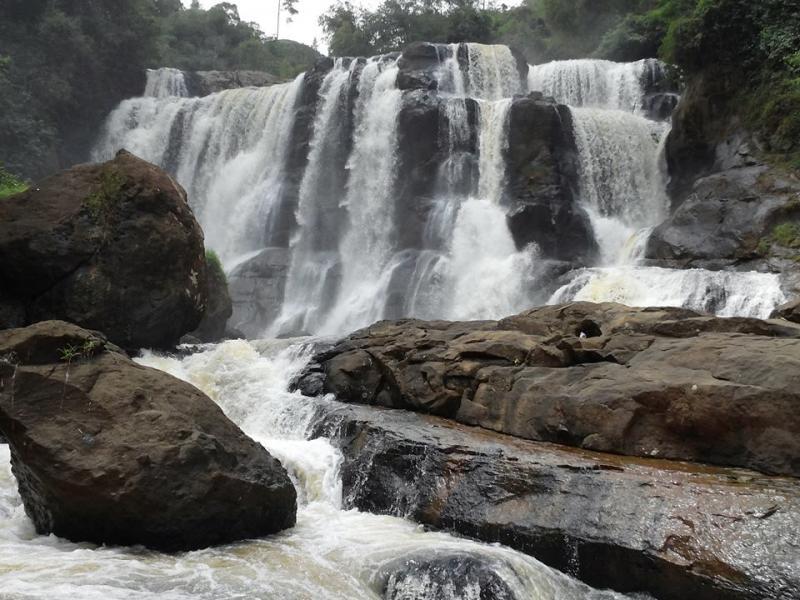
(728, 220)
(113, 247)
(442, 577)
(219, 307)
(542, 182)
(256, 288)
(203, 83)
(110, 452)
(667, 383)
(669, 529)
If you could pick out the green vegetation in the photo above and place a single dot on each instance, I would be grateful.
(64, 64)
(102, 201)
(214, 265)
(71, 352)
(787, 235)
(10, 185)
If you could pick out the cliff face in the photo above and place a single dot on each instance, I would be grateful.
(733, 208)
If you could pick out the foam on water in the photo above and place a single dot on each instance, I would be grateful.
(727, 294)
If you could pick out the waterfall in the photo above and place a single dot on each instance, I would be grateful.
(228, 150)
(493, 72)
(622, 181)
(594, 83)
(351, 259)
(368, 242)
(725, 293)
(315, 255)
(164, 83)
(493, 141)
(450, 76)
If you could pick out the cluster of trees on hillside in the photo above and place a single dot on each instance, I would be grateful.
(64, 64)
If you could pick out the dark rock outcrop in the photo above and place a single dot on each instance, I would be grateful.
(728, 220)
(108, 451)
(673, 530)
(113, 247)
(789, 311)
(203, 83)
(219, 306)
(256, 288)
(542, 182)
(435, 577)
(669, 383)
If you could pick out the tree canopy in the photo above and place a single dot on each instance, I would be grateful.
(64, 64)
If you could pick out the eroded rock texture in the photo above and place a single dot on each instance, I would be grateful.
(667, 383)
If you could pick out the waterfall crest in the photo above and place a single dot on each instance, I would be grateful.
(594, 83)
(165, 83)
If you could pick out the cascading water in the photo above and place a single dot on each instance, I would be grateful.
(725, 293)
(493, 72)
(331, 554)
(315, 258)
(593, 83)
(165, 83)
(368, 241)
(350, 259)
(621, 178)
(228, 150)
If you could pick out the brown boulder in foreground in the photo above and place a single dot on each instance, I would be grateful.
(665, 383)
(108, 451)
(112, 247)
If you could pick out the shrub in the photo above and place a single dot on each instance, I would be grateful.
(10, 184)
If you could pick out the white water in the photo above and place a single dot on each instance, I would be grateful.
(165, 83)
(622, 178)
(592, 83)
(228, 150)
(314, 260)
(351, 263)
(725, 293)
(493, 72)
(368, 241)
(331, 554)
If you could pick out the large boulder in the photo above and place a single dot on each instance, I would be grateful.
(729, 219)
(542, 182)
(111, 452)
(789, 311)
(668, 529)
(669, 383)
(219, 308)
(113, 247)
(257, 287)
(437, 576)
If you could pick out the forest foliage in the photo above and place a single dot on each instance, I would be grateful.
(64, 64)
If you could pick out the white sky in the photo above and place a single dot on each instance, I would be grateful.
(305, 25)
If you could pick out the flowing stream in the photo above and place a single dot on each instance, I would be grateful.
(332, 553)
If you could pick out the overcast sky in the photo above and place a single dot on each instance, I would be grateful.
(305, 25)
